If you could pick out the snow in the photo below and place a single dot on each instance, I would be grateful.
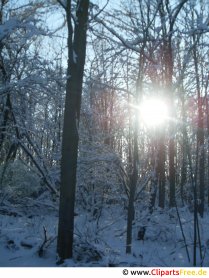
(14, 23)
(99, 243)
(16, 233)
(8, 27)
(74, 57)
(21, 236)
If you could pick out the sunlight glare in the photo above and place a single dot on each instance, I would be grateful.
(154, 112)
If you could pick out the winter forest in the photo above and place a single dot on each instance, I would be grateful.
(104, 133)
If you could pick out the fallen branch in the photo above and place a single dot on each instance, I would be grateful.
(4, 211)
(47, 241)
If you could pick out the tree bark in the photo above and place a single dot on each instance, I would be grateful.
(70, 139)
(133, 182)
(161, 169)
(200, 136)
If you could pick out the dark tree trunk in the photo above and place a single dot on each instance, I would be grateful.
(171, 144)
(183, 178)
(207, 117)
(201, 166)
(164, 8)
(76, 61)
(134, 174)
(132, 191)
(200, 137)
(161, 171)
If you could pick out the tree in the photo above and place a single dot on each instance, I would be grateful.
(76, 60)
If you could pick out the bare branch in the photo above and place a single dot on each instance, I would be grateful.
(62, 4)
(100, 11)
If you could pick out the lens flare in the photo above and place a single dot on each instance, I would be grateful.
(153, 112)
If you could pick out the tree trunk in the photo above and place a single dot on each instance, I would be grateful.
(134, 175)
(132, 191)
(183, 176)
(76, 61)
(171, 144)
(200, 136)
(207, 117)
(161, 170)
(201, 166)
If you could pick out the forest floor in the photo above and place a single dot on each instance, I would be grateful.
(28, 238)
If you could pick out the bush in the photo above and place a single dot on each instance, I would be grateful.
(18, 181)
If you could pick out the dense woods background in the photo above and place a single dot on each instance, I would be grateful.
(131, 177)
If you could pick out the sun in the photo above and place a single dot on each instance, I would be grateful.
(153, 112)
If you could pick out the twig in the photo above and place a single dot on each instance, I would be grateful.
(182, 231)
(41, 249)
(47, 241)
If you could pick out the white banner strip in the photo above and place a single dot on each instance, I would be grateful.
(115, 272)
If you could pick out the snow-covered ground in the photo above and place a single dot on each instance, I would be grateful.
(21, 236)
(102, 243)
